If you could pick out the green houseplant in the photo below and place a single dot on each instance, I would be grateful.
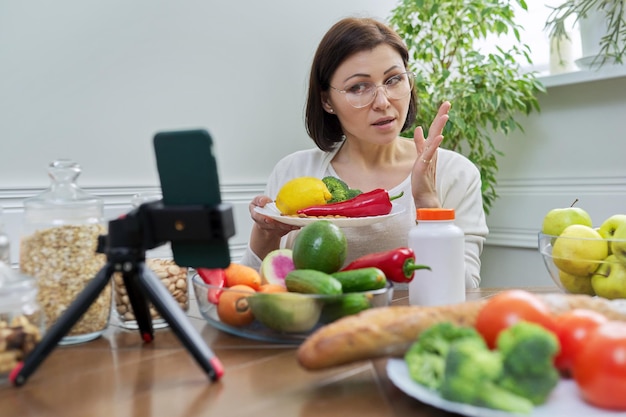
(602, 26)
(488, 91)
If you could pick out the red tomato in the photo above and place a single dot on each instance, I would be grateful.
(600, 367)
(572, 329)
(509, 307)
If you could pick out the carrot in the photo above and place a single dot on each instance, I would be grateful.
(237, 274)
(233, 308)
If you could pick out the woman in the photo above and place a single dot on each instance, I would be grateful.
(360, 100)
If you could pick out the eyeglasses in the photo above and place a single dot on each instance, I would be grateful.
(363, 93)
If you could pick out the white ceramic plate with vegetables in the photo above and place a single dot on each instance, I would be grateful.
(563, 401)
(271, 211)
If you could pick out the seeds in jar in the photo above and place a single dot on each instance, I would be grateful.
(171, 275)
(17, 339)
(64, 260)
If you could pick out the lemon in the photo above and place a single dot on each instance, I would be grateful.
(301, 192)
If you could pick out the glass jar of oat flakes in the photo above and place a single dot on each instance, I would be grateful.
(58, 248)
(160, 261)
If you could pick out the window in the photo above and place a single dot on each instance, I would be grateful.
(533, 21)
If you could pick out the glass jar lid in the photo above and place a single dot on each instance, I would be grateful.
(63, 188)
(64, 201)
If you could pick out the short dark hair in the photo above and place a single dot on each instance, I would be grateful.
(344, 39)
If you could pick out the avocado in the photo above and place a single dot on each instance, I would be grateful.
(321, 246)
(286, 312)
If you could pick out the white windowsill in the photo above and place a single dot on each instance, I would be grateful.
(583, 76)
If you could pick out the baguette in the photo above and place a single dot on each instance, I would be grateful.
(389, 331)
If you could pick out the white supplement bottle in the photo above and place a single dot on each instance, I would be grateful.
(440, 244)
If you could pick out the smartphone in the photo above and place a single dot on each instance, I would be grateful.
(188, 174)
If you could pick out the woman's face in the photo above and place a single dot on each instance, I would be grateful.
(381, 121)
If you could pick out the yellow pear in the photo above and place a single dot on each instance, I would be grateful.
(579, 249)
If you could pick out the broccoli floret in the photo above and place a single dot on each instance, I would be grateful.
(528, 352)
(353, 192)
(471, 372)
(339, 190)
(426, 357)
(426, 368)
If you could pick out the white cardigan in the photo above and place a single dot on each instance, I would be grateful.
(458, 187)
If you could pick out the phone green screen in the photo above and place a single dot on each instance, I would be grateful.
(188, 173)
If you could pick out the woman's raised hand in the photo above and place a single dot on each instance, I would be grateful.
(423, 179)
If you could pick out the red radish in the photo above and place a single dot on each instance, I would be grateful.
(276, 265)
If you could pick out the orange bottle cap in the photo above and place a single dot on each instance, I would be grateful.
(435, 214)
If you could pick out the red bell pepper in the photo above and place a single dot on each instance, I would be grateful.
(397, 264)
(216, 278)
(373, 203)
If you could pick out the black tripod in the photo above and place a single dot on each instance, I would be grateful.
(146, 227)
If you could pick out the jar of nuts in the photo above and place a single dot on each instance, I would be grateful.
(159, 261)
(21, 319)
(58, 248)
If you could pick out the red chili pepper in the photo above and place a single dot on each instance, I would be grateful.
(215, 277)
(397, 264)
(373, 203)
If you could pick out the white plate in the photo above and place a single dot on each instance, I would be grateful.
(270, 210)
(563, 401)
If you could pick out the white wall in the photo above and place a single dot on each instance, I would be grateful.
(94, 80)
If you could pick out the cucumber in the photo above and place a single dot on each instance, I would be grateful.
(362, 279)
(310, 281)
(345, 306)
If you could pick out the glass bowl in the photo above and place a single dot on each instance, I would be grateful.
(285, 317)
(579, 266)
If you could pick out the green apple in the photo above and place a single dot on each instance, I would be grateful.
(579, 249)
(609, 280)
(558, 219)
(618, 244)
(609, 226)
(575, 284)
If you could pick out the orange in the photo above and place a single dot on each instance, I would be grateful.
(237, 274)
(233, 307)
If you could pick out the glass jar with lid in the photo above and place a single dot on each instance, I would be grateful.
(58, 248)
(22, 321)
(159, 260)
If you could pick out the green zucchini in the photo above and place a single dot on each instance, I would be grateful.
(310, 281)
(362, 279)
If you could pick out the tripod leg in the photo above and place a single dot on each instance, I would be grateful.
(138, 302)
(64, 323)
(174, 315)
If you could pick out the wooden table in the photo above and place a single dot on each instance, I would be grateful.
(117, 375)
